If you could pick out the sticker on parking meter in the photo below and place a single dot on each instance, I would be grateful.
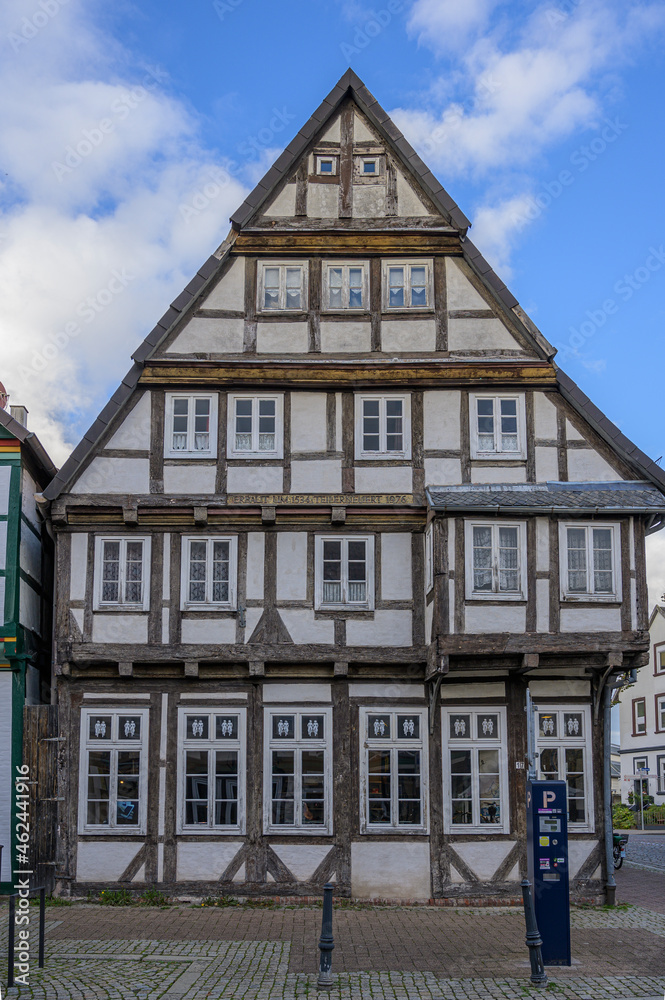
(544, 841)
(544, 864)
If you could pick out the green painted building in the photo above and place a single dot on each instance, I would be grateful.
(26, 592)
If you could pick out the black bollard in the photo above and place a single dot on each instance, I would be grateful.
(533, 938)
(326, 943)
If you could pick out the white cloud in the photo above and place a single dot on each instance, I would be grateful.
(496, 229)
(94, 248)
(444, 25)
(525, 83)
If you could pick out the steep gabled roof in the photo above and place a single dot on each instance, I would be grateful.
(658, 610)
(31, 443)
(349, 85)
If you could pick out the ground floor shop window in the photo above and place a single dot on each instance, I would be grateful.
(211, 783)
(394, 771)
(564, 754)
(475, 769)
(113, 765)
(297, 773)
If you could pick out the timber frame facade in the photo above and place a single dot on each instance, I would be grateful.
(341, 513)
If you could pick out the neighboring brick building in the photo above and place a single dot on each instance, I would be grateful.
(341, 512)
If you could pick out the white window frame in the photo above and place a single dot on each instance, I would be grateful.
(212, 744)
(368, 743)
(190, 452)
(383, 454)
(282, 265)
(589, 595)
(297, 744)
(659, 656)
(208, 604)
(368, 603)
(476, 745)
(634, 703)
(345, 265)
(113, 745)
(495, 594)
(98, 603)
(319, 157)
(496, 452)
(660, 772)
(376, 160)
(231, 450)
(407, 263)
(429, 557)
(564, 741)
(659, 702)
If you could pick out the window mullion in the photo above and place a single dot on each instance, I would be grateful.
(297, 804)
(591, 576)
(345, 287)
(113, 790)
(345, 571)
(211, 781)
(383, 425)
(394, 801)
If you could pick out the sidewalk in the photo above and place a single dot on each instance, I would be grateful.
(382, 953)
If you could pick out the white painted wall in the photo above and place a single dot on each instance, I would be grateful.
(384, 480)
(303, 627)
(308, 422)
(544, 417)
(346, 338)
(443, 472)
(134, 431)
(284, 204)
(5, 476)
(104, 861)
(390, 871)
(296, 694)
(414, 336)
(600, 619)
(396, 572)
(204, 860)
(389, 628)
(408, 202)
(547, 465)
(209, 336)
(79, 565)
(460, 292)
(490, 618)
(30, 607)
(498, 474)
(255, 564)
(5, 770)
(480, 335)
(292, 566)
(254, 479)
(317, 476)
(282, 338)
(115, 475)
(322, 201)
(229, 293)
(190, 478)
(441, 419)
(586, 465)
(120, 628)
(208, 630)
(28, 503)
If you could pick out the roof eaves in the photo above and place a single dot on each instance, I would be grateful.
(29, 440)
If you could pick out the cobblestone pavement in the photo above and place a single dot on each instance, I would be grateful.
(646, 851)
(383, 953)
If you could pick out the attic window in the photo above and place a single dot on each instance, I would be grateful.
(370, 165)
(326, 165)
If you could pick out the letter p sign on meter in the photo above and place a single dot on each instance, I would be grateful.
(547, 854)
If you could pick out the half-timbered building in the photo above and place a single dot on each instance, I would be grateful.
(341, 513)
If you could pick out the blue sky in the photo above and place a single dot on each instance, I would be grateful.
(544, 122)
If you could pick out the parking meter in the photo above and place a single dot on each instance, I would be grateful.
(547, 856)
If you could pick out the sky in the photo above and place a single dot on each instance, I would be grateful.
(129, 132)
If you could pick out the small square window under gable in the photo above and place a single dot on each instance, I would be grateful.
(326, 165)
